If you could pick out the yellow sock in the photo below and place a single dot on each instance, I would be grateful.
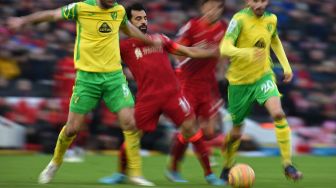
(283, 134)
(230, 150)
(63, 142)
(132, 140)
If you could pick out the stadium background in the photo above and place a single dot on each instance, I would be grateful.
(36, 75)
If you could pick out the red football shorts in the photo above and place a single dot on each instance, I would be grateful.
(205, 104)
(172, 105)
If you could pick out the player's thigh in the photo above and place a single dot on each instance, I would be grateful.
(178, 109)
(265, 89)
(116, 93)
(204, 108)
(85, 97)
(240, 100)
(147, 114)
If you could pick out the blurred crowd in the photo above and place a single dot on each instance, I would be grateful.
(37, 60)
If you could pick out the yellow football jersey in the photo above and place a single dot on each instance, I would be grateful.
(247, 31)
(97, 41)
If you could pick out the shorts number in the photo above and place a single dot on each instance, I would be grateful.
(267, 86)
(184, 105)
(125, 90)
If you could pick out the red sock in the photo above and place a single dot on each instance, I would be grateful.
(202, 151)
(177, 152)
(122, 159)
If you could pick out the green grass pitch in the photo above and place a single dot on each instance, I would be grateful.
(21, 171)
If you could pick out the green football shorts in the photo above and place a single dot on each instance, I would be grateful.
(242, 97)
(90, 87)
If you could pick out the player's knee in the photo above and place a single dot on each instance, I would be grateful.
(72, 127)
(236, 133)
(280, 114)
(128, 124)
(188, 128)
(236, 136)
(71, 130)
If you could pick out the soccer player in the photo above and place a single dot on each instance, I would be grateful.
(251, 34)
(159, 91)
(99, 74)
(197, 76)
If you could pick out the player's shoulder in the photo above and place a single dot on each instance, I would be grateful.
(186, 27)
(93, 3)
(270, 15)
(118, 6)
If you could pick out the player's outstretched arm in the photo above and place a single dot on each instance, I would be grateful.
(16, 23)
(279, 51)
(196, 52)
(132, 31)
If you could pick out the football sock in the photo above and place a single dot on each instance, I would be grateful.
(230, 150)
(202, 151)
(62, 144)
(282, 132)
(132, 141)
(177, 152)
(122, 159)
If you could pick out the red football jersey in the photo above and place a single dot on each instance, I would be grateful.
(199, 73)
(150, 66)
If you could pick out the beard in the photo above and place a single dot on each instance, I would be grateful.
(143, 28)
(106, 5)
(259, 12)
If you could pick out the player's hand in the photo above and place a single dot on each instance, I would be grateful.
(288, 77)
(15, 23)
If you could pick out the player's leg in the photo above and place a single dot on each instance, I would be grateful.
(119, 100)
(210, 124)
(178, 148)
(240, 100)
(179, 144)
(85, 97)
(283, 134)
(146, 116)
(179, 110)
(201, 150)
(268, 94)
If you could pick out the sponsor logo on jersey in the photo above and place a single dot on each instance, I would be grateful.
(260, 43)
(138, 53)
(105, 28)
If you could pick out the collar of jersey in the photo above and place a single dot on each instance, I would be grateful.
(94, 2)
(251, 13)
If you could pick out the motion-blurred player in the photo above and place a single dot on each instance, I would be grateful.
(251, 34)
(197, 76)
(99, 75)
(159, 91)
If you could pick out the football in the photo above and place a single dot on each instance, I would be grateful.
(241, 176)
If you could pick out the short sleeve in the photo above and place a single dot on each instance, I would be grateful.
(234, 29)
(69, 12)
